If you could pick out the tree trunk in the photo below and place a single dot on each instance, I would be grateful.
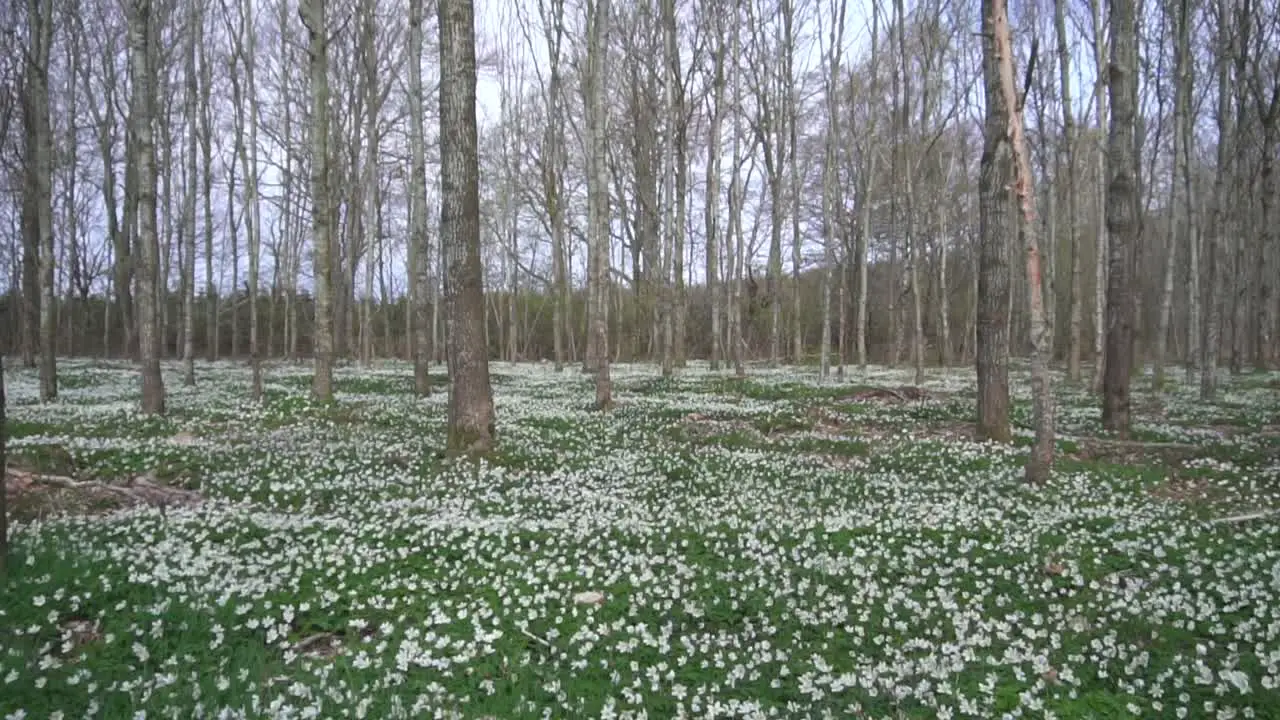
(206, 151)
(419, 249)
(1102, 251)
(1075, 300)
(1040, 460)
(712, 207)
(313, 17)
(4, 492)
(189, 201)
(471, 420)
(39, 168)
(829, 190)
(1122, 216)
(143, 158)
(995, 221)
(598, 195)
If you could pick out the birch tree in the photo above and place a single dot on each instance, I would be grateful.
(313, 14)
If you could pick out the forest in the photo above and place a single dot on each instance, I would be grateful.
(639, 358)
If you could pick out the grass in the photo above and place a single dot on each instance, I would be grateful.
(768, 547)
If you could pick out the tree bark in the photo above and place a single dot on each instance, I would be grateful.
(419, 250)
(995, 221)
(471, 419)
(189, 101)
(1040, 460)
(313, 17)
(143, 158)
(1075, 295)
(1122, 216)
(598, 195)
(39, 168)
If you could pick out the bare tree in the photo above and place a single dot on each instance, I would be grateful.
(1122, 216)
(471, 421)
(829, 186)
(1075, 297)
(312, 13)
(716, 97)
(194, 35)
(598, 21)
(4, 491)
(38, 190)
(1040, 460)
(141, 111)
(995, 219)
(419, 251)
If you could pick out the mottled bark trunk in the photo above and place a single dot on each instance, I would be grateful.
(313, 17)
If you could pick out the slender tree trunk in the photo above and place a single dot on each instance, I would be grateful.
(141, 105)
(419, 249)
(712, 208)
(471, 419)
(1102, 251)
(189, 202)
(1075, 300)
(1122, 216)
(598, 20)
(829, 190)
(39, 161)
(864, 243)
(206, 153)
(313, 17)
(4, 493)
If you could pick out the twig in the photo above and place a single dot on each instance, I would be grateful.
(1259, 515)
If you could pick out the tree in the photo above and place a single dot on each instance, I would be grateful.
(712, 207)
(141, 111)
(598, 195)
(38, 191)
(829, 189)
(1075, 298)
(471, 418)
(1122, 216)
(313, 17)
(995, 228)
(4, 490)
(1040, 460)
(419, 251)
(194, 35)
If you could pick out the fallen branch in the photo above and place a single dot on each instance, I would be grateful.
(1259, 515)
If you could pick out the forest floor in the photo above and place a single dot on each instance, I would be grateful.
(767, 547)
